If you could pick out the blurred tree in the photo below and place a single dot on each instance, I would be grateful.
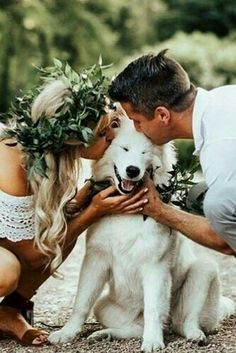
(24, 39)
(134, 23)
(131, 21)
(209, 60)
(82, 34)
(217, 16)
(32, 32)
(185, 150)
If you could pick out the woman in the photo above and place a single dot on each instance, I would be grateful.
(35, 234)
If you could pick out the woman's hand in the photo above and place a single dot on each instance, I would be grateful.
(97, 149)
(104, 203)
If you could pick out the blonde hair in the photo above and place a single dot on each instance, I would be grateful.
(52, 193)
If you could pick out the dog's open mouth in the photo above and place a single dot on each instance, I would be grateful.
(126, 186)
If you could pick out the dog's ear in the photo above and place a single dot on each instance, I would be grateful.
(169, 155)
(165, 155)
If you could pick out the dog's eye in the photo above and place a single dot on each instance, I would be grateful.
(143, 152)
(125, 149)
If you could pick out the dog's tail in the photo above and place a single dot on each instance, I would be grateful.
(227, 308)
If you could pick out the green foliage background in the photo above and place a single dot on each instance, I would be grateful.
(200, 34)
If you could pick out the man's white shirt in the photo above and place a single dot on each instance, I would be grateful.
(214, 132)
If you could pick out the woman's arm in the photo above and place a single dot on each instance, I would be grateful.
(83, 194)
(195, 227)
(13, 177)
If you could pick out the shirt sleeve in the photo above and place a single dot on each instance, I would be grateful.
(218, 161)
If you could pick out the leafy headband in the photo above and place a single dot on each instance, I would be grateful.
(74, 120)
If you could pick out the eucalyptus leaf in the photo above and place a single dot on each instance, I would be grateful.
(179, 184)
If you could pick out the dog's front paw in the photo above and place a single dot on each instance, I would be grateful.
(196, 335)
(100, 335)
(151, 345)
(63, 336)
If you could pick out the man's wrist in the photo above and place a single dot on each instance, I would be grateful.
(158, 212)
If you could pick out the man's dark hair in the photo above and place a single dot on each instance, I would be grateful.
(151, 81)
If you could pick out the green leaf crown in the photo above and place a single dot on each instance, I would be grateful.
(74, 120)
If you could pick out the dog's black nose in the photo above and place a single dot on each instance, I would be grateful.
(132, 171)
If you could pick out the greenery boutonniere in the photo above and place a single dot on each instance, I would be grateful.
(182, 190)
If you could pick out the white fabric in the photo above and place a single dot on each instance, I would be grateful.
(214, 131)
(17, 220)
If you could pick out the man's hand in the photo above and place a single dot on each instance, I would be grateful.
(196, 228)
(154, 205)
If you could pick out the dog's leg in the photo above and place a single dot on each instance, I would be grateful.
(192, 300)
(209, 318)
(127, 332)
(121, 323)
(157, 287)
(94, 274)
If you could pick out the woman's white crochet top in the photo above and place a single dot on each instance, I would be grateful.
(17, 217)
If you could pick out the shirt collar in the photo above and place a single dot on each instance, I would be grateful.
(199, 110)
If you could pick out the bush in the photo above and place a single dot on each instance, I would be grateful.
(185, 150)
(209, 61)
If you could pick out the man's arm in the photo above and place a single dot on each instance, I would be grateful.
(195, 227)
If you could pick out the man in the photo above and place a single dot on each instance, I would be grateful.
(157, 95)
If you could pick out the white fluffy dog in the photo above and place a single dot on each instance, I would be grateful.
(152, 272)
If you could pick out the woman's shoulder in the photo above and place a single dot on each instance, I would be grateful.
(13, 178)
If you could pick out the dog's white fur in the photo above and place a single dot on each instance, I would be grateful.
(152, 272)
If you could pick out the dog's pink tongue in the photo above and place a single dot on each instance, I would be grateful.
(128, 185)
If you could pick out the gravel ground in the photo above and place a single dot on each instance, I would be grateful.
(54, 302)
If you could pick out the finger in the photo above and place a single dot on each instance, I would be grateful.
(138, 204)
(135, 197)
(148, 180)
(126, 200)
(136, 210)
(118, 200)
(149, 184)
(107, 192)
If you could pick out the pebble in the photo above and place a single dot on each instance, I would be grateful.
(54, 301)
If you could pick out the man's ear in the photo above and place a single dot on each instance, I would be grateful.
(162, 114)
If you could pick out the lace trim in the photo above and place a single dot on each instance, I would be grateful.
(17, 217)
